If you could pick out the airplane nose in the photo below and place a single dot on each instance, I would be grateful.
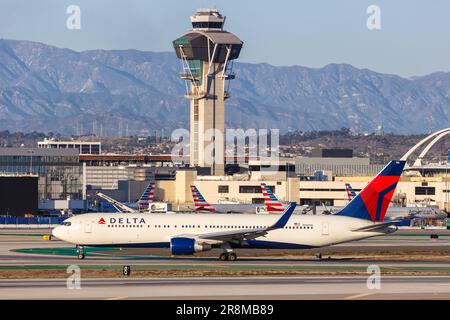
(56, 232)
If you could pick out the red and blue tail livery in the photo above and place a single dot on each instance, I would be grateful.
(373, 201)
(273, 205)
(200, 202)
(148, 196)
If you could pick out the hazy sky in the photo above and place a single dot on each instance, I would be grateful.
(414, 38)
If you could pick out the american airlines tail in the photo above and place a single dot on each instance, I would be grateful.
(200, 202)
(350, 192)
(373, 201)
(273, 205)
(148, 195)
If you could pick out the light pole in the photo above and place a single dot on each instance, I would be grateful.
(31, 161)
(447, 160)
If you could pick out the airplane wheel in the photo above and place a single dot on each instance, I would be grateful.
(223, 257)
(232, 256)
(81, 256)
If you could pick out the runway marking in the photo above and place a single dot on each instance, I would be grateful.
(116, 298)
(356, 296)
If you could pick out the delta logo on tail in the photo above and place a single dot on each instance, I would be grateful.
(101, 221)
(373, 201)
(148, 196)
(200, 203)
(273, 205)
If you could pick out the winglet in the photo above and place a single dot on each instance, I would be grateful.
(285, 217)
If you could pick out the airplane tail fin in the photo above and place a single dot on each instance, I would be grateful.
(200, 203)
(350, 192)
(273, 205)
(148, 196)
(373, 201)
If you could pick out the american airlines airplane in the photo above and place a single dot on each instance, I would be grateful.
(201, 205)
(188, 233)
(273, 205)
(147, 197)
(142, 204)
(350, 192)
(271, 202)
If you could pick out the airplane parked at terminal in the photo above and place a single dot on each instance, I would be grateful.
(188, 233)
(201, 205)
(147, 197)
(273, 205)
(350, 192)
(271, 202)
(143, 203)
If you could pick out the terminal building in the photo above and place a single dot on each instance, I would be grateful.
(82, 147)
(319, 168)
(60, 180)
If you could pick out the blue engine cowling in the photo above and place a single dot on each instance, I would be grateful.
(183, 245)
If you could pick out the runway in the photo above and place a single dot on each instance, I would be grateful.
(10, 257)
(257, 274)
(350, 288)
(28, 248)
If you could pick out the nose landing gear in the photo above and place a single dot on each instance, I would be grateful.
(80, 251)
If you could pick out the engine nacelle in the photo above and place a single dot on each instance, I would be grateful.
(187, 246)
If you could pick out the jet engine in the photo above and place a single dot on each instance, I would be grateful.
(183, 245)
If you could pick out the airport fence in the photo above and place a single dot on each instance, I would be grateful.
(31, 221)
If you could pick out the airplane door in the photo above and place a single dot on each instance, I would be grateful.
(88, 227)
(325, 228)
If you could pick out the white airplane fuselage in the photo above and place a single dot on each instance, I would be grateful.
(157, 230)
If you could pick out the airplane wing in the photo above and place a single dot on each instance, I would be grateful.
(379, 226)
(247, 234)
(234, 236)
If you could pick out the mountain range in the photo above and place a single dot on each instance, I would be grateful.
(116, 92)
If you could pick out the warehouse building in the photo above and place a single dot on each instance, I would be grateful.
(14, 203)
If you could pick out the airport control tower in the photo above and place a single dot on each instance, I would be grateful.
(207, 53)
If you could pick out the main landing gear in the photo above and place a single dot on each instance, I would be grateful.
(80, 251)
(227, 254)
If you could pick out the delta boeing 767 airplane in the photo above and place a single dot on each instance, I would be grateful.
(188, 233)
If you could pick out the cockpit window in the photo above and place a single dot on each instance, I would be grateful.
(67, 223)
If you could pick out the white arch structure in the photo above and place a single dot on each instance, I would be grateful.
(436, 135)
